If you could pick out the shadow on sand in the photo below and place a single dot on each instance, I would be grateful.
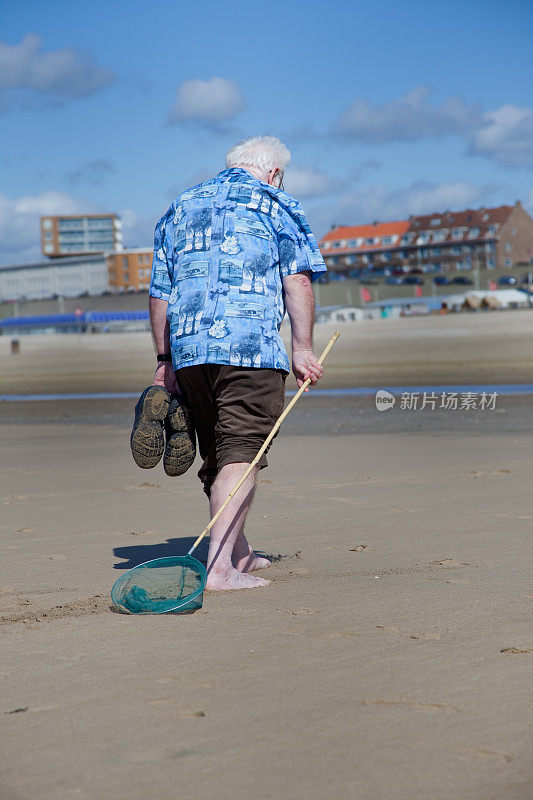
(136, 554)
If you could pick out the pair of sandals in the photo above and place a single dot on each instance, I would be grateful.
(163, 427)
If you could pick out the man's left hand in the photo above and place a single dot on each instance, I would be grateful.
(165, 376)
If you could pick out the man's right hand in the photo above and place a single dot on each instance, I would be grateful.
(165, 376)
(305, 365)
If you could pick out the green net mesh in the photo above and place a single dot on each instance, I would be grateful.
(168, 584)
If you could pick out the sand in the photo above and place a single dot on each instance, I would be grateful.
(387, 659)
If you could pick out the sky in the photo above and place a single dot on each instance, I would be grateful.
(388, 108)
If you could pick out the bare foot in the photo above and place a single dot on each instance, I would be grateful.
(243, 557)
(230, 578)
(250, 562)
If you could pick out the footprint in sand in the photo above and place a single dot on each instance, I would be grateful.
(475, 473)
(514, 651)
(484, 755)
(411, 704)
(409, 633)
(169, 709)
(26, 530)
(320, 634)
(450, 562)
(297, 611)
(144, 485)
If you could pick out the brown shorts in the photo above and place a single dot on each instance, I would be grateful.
(234, 409)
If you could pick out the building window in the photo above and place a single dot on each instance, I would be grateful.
(473, 233)
(47, 223)
(435, 221)
(125, 262)
(491, 230)
(513, 231)
(370, 241)
(327, 245)
(490, 262)
(407, 238)
(508, 262)
(508, 247)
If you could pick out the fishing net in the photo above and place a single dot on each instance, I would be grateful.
(168, 584)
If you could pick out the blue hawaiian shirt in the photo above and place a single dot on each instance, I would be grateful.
(220, 254)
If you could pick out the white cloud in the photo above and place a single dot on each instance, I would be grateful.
(308, 182)
(138, 231)
(506, 135)
(383, 203)
(209, 102)
(64, 74)
(20, 227)
(410, 117)
(20, 236)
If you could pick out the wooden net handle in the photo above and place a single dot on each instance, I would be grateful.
(266, 443)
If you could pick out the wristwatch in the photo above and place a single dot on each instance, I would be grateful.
(164, 357)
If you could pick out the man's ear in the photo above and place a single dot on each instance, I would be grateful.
(272, 174)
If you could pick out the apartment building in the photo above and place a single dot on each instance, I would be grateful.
(72, 235)
(129, 270)
(484, 238)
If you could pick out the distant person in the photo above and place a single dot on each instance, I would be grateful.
(230, 255)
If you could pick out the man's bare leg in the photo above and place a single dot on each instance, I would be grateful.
(221, 574)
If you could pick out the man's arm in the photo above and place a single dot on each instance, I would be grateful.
(164, 374)
(300, 304)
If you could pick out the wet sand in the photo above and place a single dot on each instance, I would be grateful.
(388, 657)
(457, 348)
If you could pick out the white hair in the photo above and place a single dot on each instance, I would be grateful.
(261, 152)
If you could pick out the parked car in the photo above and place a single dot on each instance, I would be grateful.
(337, 276)
(526, 277)
(462, 280)
(394, 280)
(413, 280)
(441, 280)
(507, 280)
(368, 281)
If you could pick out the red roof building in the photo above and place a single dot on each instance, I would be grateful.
(444, 241)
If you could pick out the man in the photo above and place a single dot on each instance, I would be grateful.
(230, 255)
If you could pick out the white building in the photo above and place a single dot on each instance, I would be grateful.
(65, 277)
